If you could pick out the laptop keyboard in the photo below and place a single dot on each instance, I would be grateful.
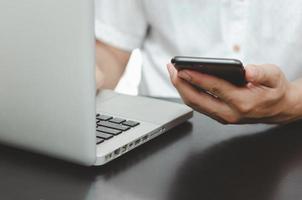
(108, 127)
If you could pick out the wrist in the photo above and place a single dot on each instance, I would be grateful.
(293, 110)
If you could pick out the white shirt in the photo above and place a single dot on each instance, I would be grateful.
(254, 31)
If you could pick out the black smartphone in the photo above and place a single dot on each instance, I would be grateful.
(230, 70)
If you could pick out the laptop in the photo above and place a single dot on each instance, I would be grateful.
(48, 101)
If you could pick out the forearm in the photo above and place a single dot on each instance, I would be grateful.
(112, 63)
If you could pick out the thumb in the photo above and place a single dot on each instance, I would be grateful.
(267, 75)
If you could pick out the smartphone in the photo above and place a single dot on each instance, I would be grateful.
(230, 70)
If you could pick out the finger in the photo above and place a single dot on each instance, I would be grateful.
(216, 86)
(207, 104)
(202, 102)
(172, 72)
(267, 75)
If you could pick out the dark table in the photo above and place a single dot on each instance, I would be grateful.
(200, 159)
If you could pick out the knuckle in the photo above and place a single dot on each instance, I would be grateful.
(230, 118)
(275, 71)
(220, 119)
(278, 75)
(233, 119)
(244, 108)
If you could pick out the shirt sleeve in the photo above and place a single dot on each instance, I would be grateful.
(120, 23)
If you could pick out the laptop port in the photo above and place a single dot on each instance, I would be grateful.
(145, 138)
(131, 145)
(124, 149)
(137, 141)
(156, 133)
(117, 152)
(108, 157)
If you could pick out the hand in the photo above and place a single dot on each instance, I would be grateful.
(267, 98)
(99, 78)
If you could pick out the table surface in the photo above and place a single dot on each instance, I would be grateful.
(200, 159)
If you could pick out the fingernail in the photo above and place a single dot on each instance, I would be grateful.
(185, 75)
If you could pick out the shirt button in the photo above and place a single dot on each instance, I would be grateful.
(236, 48)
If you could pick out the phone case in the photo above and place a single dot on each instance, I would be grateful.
(230, 70)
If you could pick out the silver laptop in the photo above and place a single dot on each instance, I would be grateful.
(48, 101)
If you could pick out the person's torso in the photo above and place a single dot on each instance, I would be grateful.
(253, 31)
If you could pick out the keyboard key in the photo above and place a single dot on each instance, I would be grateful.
(99, 140)
(103, 117)
(108, 130)
(113, 125)
(130, 123)
(104, 136)
(117, 120)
